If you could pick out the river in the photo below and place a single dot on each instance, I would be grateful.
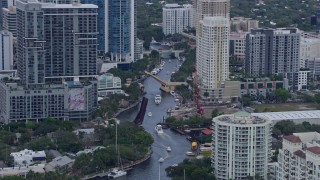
(149, 170)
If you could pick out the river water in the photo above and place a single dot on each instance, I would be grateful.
(149, 170)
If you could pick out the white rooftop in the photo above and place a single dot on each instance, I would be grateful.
(290, 115)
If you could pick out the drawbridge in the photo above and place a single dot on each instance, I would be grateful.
(165, 85)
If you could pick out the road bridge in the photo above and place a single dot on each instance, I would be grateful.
(166, 86)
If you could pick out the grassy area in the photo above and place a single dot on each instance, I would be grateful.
(285, 107)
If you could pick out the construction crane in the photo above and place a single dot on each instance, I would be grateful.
(196, 95)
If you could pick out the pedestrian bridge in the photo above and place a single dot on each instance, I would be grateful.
(165, 85)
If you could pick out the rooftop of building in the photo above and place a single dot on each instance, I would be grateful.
(27, 152)
(292, 138)
(241, 118)
(48, 5)
(290, 115)
(314, 149)
(60, 161)
(11, 171)
(300, 154)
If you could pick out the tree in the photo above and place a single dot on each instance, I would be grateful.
(67, 141)
(317, 98)
(282, 95)
(246, 100)
(215, 113)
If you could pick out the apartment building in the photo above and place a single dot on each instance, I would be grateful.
(213, 55)
(6, 50)
(9, 17)
(243, 24)
(209, 8)
(176, 18)
(241, 146)
(299, 158)
(272, 51)
(238, 44)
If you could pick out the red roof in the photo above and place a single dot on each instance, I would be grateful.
(207, 131)
(300, 154)
(315, 149)
(292, 138)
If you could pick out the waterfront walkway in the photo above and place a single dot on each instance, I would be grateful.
(126, 166)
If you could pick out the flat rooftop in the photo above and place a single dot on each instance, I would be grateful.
(290, 115)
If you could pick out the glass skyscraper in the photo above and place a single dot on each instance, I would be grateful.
(101, 22)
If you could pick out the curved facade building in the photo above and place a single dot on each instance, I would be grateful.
(241, 146)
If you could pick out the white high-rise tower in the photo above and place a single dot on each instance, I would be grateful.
(213, 55)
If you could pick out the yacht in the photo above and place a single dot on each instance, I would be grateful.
(158, 129)
(169, 149)
(157, 99)
(116, 173)
(149, 114)
(161, 160)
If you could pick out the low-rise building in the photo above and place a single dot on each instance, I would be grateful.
(21, 171)
(109, 84)
(28, 157)
(260, 86)
(299, 157)
(311, 116)
(62, 162)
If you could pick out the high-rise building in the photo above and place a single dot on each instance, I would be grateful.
(176, 18)
(299, 157)
(213, 55)
(209, 8)
(241, 146)
(9, 20)
(56, 54)
(55, 40)
(272, 51)
(6, 50)
(102, 22)
(121, 34)
(5, 4)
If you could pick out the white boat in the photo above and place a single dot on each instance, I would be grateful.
(157, 99)
(189, 153)
(149, 114)
(169, 149)
(158, 129)
(116, 173)
(172, 93)
(169, 60)
(161, 160)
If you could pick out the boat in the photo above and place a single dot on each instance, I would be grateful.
(158, 129)
(169, 149)
(149, 114)
(157, 99)
(189, 153)
(172, 93)
(161, 160)
(169, 60)
(116, 173)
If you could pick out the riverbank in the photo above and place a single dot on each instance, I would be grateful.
(126, 166)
